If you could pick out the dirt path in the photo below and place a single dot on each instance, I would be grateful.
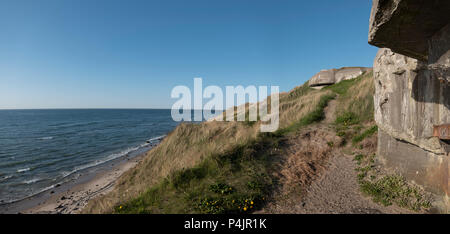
(337, 191)
(330, 112)
(317, 177)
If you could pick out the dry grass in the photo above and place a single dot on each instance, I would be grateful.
(293, 105)
(184, 147)
(359, 98)
(305, 159)
(190, 144)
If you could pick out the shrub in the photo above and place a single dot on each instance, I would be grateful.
(365, 134)
(347, 119)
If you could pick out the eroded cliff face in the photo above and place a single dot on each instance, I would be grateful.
(412, 91)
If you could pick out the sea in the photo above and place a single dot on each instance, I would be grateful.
(41, 149)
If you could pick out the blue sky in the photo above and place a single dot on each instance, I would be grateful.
(130, 54)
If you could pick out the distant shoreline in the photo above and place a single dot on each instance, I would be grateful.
(34, 109)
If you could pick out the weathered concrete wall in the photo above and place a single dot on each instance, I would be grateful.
(349, 73)
(412, 90)
(439, 55)
(417, 165)
(324, 77)
(405, 26)
(409, 102)
(332, 76)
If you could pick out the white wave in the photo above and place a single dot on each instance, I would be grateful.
(153, 140)
(98, 162)
(23, 170)
(31, 181)
(110, 157)
(31, 195)
(157, 138)
(5, 177)
(45, 138)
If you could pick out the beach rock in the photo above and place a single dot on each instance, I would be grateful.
(412, 91)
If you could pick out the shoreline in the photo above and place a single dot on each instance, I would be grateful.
(71, 197)
(77, 197)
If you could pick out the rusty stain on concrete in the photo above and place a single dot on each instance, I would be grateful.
(442, 131)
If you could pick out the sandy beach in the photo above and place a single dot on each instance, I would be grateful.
(74, 199)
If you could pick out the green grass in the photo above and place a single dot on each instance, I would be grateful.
(231, 181)
(367, 133)
(241, 179)
(388, 189)
(347, 119)
(356, 96)
(359, 158)
(342, 87)
(392, 189)
(299, 91)
(237, 181)
(354, 107)
(352, 112)
(314, 116)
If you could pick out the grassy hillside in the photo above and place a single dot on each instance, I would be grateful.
(227, 167)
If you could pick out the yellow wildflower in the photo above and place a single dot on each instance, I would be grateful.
(245, 208)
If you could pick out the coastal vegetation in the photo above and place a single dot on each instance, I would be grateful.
(191, 145)
(236, 181)
(230, 167)
(388, 189)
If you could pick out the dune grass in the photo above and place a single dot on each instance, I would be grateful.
(355, 98)
(236, 181)
(315, 115)
(192, 168)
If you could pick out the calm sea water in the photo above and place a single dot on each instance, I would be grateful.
(42, 148)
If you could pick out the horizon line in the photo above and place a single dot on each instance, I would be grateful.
(98, 108)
